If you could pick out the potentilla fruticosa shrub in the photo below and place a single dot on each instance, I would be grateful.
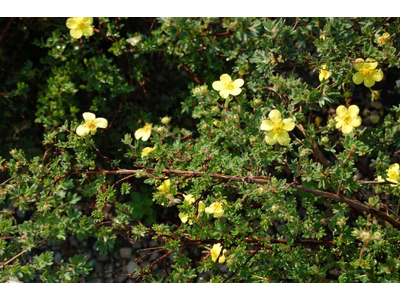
(249, 149)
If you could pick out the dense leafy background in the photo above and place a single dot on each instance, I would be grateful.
(51, 205)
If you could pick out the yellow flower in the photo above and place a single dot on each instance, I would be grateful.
(189, 198)
(146, 151)
(185, 217)
(366, 72)
(201, 208)
(143, 133)
(91, 124)
(324, 74)
(322, 37)
(166, 120)
(165, 186)
(228, 87)
(277, 128)
(347, 118)
(80, 26)
(380, 179)
(393, 173)
(382, 40)
(216, 209)
(216, 251)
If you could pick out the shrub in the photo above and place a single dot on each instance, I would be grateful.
(249, 149)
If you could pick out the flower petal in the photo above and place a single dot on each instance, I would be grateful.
(88, 116)
(358, 78)
(217, 85)
(266, 125)
(346, 129)
(271, 138)
(209, 210)
(101, 123)
(82, 130)
(87, 30)
(235, 91)
(283, 138)
(184, 217)
(139, 133)
(76, 33)
(378, 75)
(72, 23)
(288, 124)
(358, 64)
(224, 94)
(353, 110)
(341, 110)
(369, 81)
(225, 78)
(372, 63)
(356, 121)
(238, 83)
(275, 115)
(87, 21)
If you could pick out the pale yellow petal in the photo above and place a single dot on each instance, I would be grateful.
(341, 110)
(356, 121)
(358, 64)
(88, 116)
(217, 85)
(369, 81)
(346, 129)
(266, 125)
(87, 30)
(224, 94)
(225, 78)
(378, 75)
(184, 217)
(283, 138)
(353, 110)
(238, 83)
(275, 115)
(271, 138)
(209, 210)
(71, 23)
(218, 213)
(235, 91)
(76, 33)
(87, 20)
(358, 78)
(82, 130)
(288, 124)
(371, 63)
(101, 123)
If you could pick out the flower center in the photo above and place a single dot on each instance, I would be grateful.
(278, 127)
(91, 125)
(393, 175)
(347, 119)
(229, 86)
(366, 71)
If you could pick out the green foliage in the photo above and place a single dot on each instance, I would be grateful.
(308, 211)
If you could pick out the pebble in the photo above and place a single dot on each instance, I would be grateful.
(125, 252)
(131, 267)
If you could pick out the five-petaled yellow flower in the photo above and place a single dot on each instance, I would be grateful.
(347, 118)
(165, 186)
(393, 173)
(382, 40)
(146, 151)
(185, 217)
(80, 26)
(367, 72)
(277, 129)
(216, 209)
(216, 251)
(324, 74)
(228, 87)
(91, 124)
(143, 133)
